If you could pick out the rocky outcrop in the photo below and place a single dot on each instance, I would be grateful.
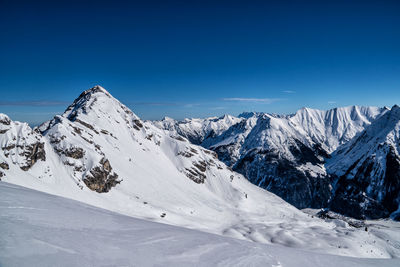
(33, 153)
(72, 152)
(369, 193)
(101, 178)
(283, 177)
(4, 165)
(5, 120)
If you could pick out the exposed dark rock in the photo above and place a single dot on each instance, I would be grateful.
(9, 147)
(210, 152)
(360, 197)
(33, 153)
(77, 130)
(201, 165)
(56, 140)
(195, 175)
(4, 165)
(74, 152)
(280, 176)
(5, 121)
(87, 125)
(326, 214)
(179, 138)
(104, 131)
(87, 140)
(185, 154)
(225, 154)
(3, 131)
(137, 124)
(101, 178)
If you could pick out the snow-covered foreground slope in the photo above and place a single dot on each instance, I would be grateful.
(43, 230)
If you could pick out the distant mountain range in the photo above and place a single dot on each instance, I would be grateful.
(343, 159)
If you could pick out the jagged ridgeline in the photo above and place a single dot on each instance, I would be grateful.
(94, 134)
(345, 159)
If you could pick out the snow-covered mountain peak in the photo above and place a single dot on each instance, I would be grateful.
(247, 115)
(166, 118)
(4, 119)
(96, 89)
(97, 101)
(395, 107)
(196, 130)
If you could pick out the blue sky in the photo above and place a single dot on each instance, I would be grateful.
(198, 58)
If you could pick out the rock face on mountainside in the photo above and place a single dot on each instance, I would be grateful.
(287, 155)
(20, 145)
(369, 171)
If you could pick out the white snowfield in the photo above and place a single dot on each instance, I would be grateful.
(38, 229)
(163, 179)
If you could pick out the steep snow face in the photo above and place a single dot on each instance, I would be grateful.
(196, 130)
(38, 229)
(334, 127)
(100, 153)
(369, 170)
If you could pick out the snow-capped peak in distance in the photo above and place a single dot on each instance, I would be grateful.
(197, 130)
(286, 153)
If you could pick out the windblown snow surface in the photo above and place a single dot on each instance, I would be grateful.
(38, 229)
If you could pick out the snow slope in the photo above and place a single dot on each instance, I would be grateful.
(43, 230)
(101, 153)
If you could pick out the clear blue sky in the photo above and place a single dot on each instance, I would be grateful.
(199, 58)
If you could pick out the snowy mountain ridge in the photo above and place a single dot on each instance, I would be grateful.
(99, 152)
(286, 154)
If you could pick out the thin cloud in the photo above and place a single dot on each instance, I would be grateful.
(33, 103)
(191, 105)
(331, 102)
(289, 92)
(217, 108)
(154, 104)
(254, 100)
